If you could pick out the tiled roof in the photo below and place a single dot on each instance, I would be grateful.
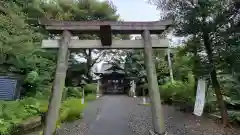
(105, 66)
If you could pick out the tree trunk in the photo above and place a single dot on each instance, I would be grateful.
(195, 85)
(194, 68)
(214, 79)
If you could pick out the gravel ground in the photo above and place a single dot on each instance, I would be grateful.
(140, 121)
(177, 123)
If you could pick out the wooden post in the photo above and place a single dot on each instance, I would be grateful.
(58, 86)
(157, 114)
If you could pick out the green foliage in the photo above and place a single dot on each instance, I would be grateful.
(90, 88)
(74, 92)
(21, 36)
(20, 54)
(234, 116)
(71, 109)
(134, 65)
(213, 39)
(32, 77)
(14, 112)
(177, 92)
(90, 97)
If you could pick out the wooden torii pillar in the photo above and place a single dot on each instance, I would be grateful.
(105, 29)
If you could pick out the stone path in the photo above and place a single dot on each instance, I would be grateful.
(113, 117)
(108, 115)
(122, 115)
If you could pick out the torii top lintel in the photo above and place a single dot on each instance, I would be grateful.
(117, 27)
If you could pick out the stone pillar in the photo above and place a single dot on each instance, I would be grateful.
(170, 65)
(134, 89)
(144, 101)
(130, 91)
(98, 89)
(58, 86)
(157, 113)
(83, 96)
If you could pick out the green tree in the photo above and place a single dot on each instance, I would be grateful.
(209, 21)
(21, 35)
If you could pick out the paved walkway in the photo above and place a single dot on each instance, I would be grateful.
(113, 117)
(122, 115)
(108, 115)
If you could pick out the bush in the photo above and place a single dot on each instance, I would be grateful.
(71, 109)
(73, 92)
(14, 112)
(177, 92)
(77, 91)
(90, 89)
(90, 97)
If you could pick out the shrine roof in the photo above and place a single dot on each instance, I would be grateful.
(108, 68)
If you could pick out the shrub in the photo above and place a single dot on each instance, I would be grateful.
(73, 92)
(13, 113)
(71, 109)
(90, 97)
(90, 88)
(177, 92)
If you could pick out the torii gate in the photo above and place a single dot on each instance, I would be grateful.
(105, 29)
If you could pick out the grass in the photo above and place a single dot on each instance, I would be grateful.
(71, 109)
(13, 113)
(90, 97)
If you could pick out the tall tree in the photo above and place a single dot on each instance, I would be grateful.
(206, 20)
(21, 34)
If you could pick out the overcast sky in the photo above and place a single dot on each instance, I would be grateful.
(137, 10)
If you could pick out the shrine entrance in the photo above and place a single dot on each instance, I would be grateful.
(104, 29)
(113, 79)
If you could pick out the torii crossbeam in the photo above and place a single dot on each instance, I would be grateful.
(105, 29)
